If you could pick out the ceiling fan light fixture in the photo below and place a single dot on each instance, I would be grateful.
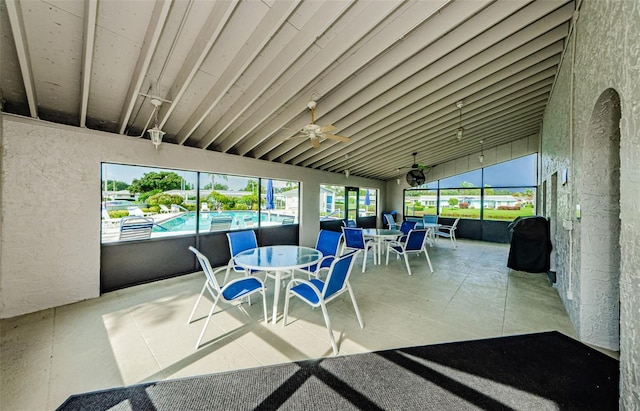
(346, 172)
(459, 133)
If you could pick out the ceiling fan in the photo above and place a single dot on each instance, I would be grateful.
(317, 133)
(416, 176)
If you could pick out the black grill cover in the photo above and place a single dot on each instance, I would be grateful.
(530, 244)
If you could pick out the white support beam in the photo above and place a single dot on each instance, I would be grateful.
(90, 18)
(158, 19)
(17, 28)
(216, 21)
(286, 58)
(260, 36)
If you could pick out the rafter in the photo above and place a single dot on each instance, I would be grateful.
(158, 20)
(19, 37)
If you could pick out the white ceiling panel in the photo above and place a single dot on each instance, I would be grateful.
(236, 76)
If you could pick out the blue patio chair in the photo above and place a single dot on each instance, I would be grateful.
(240, 241)
(430, 219)
(135, 228)
(316, 292)
(390, 221)
(405, 227)
(234, 290)
(354, 240)
(328, 243)
(349, 223)
(417, 220)
(415, 244)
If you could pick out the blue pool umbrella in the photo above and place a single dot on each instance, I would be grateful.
(270, 200)
(367, 199)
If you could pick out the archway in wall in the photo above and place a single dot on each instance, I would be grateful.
(599, 196)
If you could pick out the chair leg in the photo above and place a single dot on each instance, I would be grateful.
(426, 254)
(453, 240)
(406, 261)
(215, 301)
(264, 304)
(355, 305)
(328, 322)
(197, 302)
(364, 259)
(287, 294)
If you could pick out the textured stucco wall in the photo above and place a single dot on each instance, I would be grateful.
(50, 238)
(607, 57)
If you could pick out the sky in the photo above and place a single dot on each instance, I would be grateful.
(517, 172)
(126, 173)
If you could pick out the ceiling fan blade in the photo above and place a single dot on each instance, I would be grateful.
(297, 137)
(315, 142)
(326, 129)
(339, 138)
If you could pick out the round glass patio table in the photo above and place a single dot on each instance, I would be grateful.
(431, 232)
(379, 235)
(277, 260)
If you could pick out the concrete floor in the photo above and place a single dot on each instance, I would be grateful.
(141, 333)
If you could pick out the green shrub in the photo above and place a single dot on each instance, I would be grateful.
(118, 213)
(240, 206)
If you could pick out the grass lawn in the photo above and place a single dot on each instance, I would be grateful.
(474, 213)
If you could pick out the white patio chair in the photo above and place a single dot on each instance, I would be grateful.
(234, 290)
(449, 231)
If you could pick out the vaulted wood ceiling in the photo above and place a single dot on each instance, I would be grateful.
(236, 76)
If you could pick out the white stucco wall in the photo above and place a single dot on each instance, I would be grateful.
(50, 238)
(607, 57)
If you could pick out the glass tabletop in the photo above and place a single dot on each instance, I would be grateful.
(278, 257)
(380, 232)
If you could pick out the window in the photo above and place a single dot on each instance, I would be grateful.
(420, 202)
(188, 202)
(337, 201)
(279, 202)
(367, 203)
(331, 202)
(509, 189)
(500, 192)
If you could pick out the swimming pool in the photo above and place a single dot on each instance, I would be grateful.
(239, 219)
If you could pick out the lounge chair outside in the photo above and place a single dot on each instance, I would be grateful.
(220, 223)
(135, 228)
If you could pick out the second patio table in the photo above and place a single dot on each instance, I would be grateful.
(379, 235)
(276, 260)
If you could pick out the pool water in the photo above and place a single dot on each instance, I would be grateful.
(240, 219)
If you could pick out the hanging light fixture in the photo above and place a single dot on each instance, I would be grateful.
(156, 133)
(460, 130)
(481, 156)
(346, 170)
